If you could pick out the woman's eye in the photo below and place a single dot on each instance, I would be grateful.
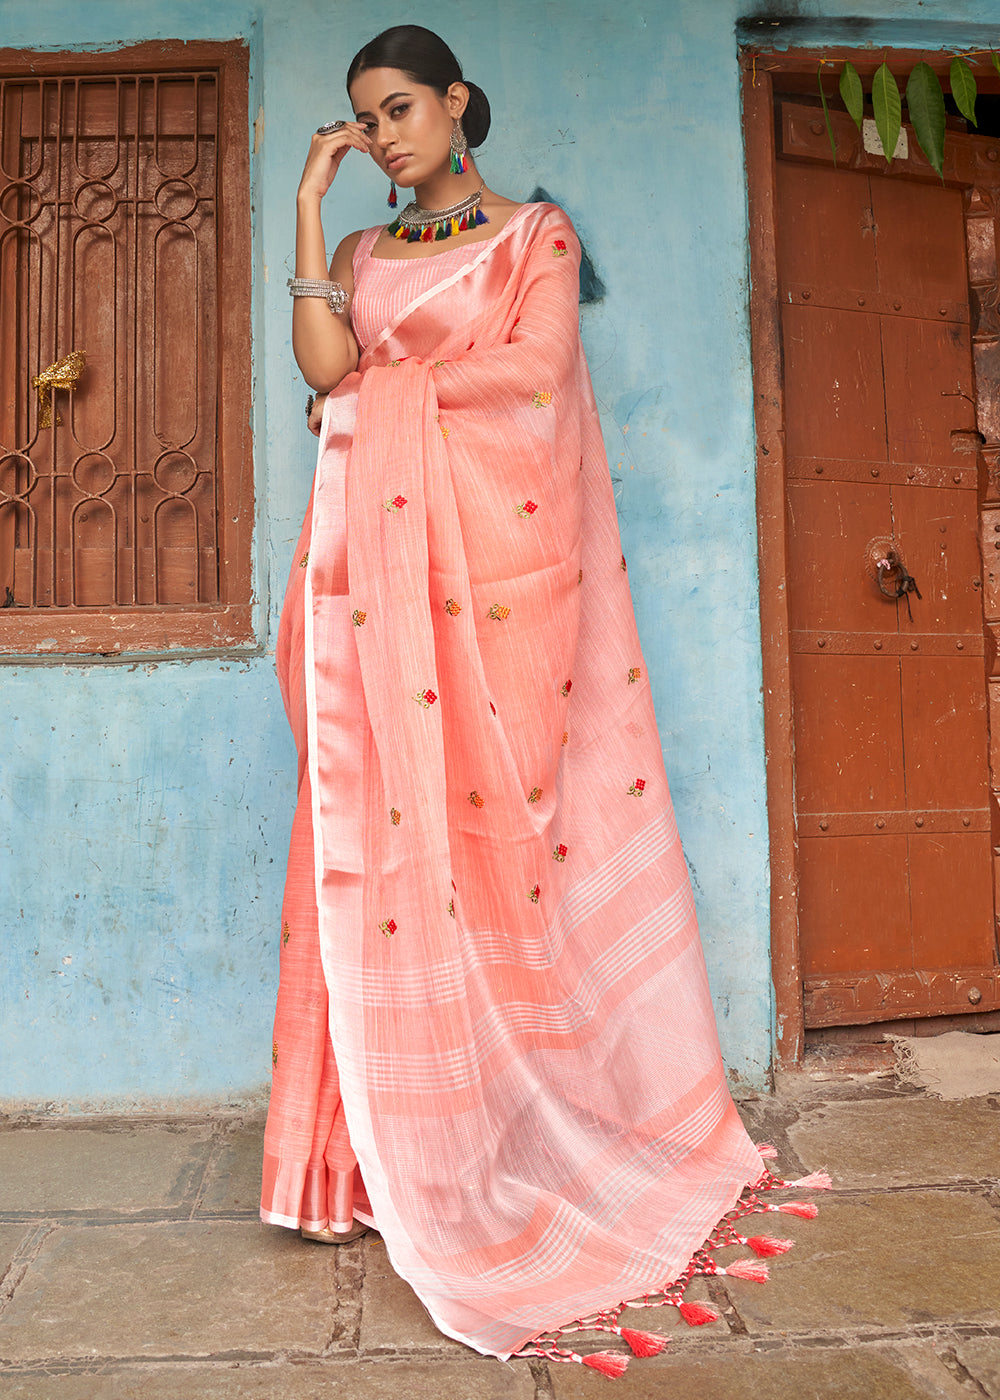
(398, 112)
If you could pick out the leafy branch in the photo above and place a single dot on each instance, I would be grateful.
(924, 103)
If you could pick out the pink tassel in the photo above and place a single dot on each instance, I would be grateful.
(806, 1209)
(609, 1363)
(642, 1343)
(697, 1314)
(748, 1269)
(815, 1181)
(764, 1246)
(767, 1149)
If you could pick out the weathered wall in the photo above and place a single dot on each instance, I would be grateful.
(146, 806)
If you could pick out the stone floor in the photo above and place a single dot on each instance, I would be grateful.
(133, 1267)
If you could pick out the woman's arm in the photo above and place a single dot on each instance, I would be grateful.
(325, 349)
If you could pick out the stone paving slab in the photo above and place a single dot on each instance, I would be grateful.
(868, 1373)
(428, 1380)
(392, 1317)
(879, 1261)
(981, 1358)
(99, 1168)
(175, 1289)
(898, 1142)
(11, 1237)
(233, 1178)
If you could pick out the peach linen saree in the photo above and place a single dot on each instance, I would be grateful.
(528, 1067)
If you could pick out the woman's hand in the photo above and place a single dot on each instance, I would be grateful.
(325, 154)
(316, 414)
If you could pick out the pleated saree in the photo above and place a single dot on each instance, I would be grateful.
(487, 904)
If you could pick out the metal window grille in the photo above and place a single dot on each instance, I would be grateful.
(109, 193)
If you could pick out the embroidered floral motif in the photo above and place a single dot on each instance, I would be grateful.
(451, 907)
(636, 730)
(397, 503)
(286, 934)
(541, 398)
(388, 927)
(638, 787)
(567, 687)
(452, 608)
(394, 364)
(437, 364)
(623, 566)
(498, 612)
(475, 799)
(444, 431)
(634, 674)
(534, 893)
(358, 617)
(559, 248)
(559, 853)
(395, 815)
(274, 1054)
(525, 509)
(565, 736)
(425, 698)
(579, 577)
(534, 794)
(304, 560)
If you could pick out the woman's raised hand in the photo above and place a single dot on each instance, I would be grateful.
(326, 151)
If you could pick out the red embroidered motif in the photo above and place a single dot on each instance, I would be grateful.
(493, 708)
(358, 617)
(534, 794)
(541, 398)
(534, 894)
(634, 674)
(452, 608)
(623, 566)
(565, 736)
(559, 248)
(425, 698)
(566, 688)
(388, 927)
(274, 1054)
(498, 612)
(395, 815)
(286, 934)
(304, 560)
(397, 503)
(475, 799)
(638, 787)
(559, 853)
(525, 509)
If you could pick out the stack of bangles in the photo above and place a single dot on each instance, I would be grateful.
(331, 292)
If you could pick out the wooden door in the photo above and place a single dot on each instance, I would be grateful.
(895, 831)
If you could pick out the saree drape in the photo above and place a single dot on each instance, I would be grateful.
(518, 1004)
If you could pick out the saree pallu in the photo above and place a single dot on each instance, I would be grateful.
(519, 1011)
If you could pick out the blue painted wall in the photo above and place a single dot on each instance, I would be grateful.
(146, 806)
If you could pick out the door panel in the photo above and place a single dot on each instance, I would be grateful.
(889, 697)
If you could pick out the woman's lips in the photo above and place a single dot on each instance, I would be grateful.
(395, 162)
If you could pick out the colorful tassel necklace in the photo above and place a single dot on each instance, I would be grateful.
(416, 225)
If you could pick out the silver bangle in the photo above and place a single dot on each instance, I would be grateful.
(331, 292)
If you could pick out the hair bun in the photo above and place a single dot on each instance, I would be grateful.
(476, 120)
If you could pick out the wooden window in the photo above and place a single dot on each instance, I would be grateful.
(126, 503)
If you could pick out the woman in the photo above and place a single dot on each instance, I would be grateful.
(521, 1085)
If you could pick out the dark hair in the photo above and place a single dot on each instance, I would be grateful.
(425, 59)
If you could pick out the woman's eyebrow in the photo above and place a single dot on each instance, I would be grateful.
(383, 105)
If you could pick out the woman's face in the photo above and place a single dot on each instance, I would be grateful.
(409, 124)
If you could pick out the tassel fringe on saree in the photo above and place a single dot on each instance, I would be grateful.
(529, 1075)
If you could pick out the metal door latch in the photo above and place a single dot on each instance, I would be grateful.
(894, 580)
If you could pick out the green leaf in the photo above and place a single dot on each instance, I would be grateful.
(888, 110)
(963, 89)
(852, 93)
(925, 102)
(996, 59)
(826, 113)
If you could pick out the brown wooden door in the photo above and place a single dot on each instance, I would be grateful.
(889, 696)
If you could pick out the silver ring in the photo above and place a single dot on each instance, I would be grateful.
(327, 127)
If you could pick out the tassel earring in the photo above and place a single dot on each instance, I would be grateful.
(459, 147)
(392, 194)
